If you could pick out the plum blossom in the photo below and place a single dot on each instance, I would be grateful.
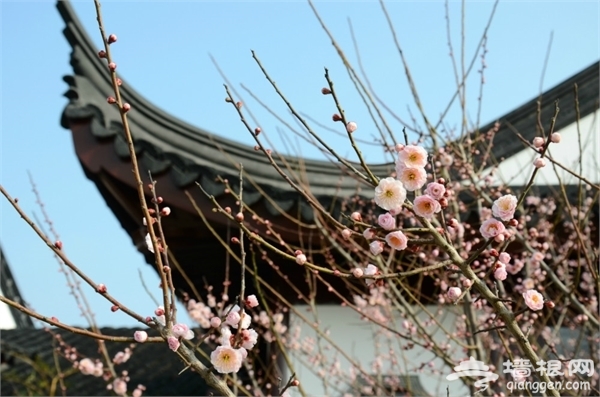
(533, 299)
(435, 190)
(500, 272)
(491, 228)
(504, 258)
(119, 386)
(539, 163)
(86, 366)
(182, 331)
(412, 156)
(390, 194)
(251, 301)
(504, 207)
(412, 178)
(371, 270)
(226, 359)
(236, 316)
(173, 343)
(148, 241)
(249, 338)
(425, 206)
(387, 221)
(376, 247)
(397, 240)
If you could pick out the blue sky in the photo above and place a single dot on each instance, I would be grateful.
(163, 52)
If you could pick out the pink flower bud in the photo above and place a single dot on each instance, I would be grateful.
(119, 82)
(239, 217)
(301, 259)
(166, 211)
(357, 272)
(356, 216)
(351, 127)
(539, 163)
(295, 383)
(112, 38)
(215, 322)
(336, 117)
(251, 301)
(101, 288)
(173, 343)
(111, 100)
(453, 293)
(325, 91)
(235, 240)
(550, 304)
(239, 104)
(58, 244)
(346, 234)
(159, 311)
(112, 66)
(114, 308)
(257, 131)
(126, 107)
(513, 223)
(140, 336)
(101, 54)
(538, 142)
(555, 137)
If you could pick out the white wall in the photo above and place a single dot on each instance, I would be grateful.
(6, 319)
(356, 337)
(517, 170)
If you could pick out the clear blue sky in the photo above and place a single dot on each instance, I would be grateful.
(163, 51)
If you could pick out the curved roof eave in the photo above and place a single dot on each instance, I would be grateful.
(170, 144)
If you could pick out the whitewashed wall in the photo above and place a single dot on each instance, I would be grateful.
(356, 337)
(6, 319)
(517, 169)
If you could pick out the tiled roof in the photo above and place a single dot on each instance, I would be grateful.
(165, 143)
(151, 364)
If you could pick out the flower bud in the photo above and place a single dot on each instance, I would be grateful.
(111, 100)
(112, 66)
(555, 137)
(101, 54)
(114, 308)
(166, 211)
(336, 117)
(140, 336)
(257, 131)
(58, 244)
(325, 91)
(112, 38)
(453, 293)
(126, 107)
(539, 163)
(538, 142)
(101, 288)
(351, 127)
(239, 217)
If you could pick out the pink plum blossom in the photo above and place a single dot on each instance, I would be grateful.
(376, 247)
(119, 386)
(533, 299)
(173, 343)
(491, 228)
(435, 190)
(504, 207)
(86, 366)
(412, 178)
(504, 258)
(390, 194)
(249, 338)
(425, 206)
(251, 301)
(555, 137)
(371, 270)
(500, 272)
(226, 359)
(397, 240)
(412, 156)
(387, 221)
